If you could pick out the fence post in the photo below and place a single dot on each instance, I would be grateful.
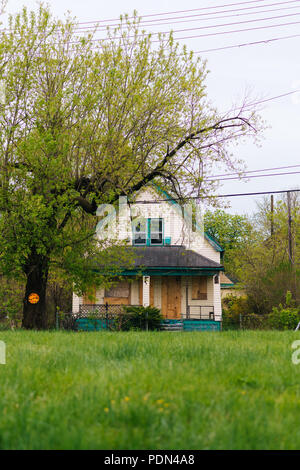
(241, 320)
(106, 315)
(57, 319)
(147, 320)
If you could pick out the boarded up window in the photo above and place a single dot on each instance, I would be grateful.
(89, 297)
(199, 288)
(119, 290)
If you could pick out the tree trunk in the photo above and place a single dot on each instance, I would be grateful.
(34, 314)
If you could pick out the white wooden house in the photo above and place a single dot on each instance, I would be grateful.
(179, 263)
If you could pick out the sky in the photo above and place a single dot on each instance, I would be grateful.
(267, 70)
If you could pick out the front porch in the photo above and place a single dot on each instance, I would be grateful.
(177, 297)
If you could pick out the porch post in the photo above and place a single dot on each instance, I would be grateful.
(217, 298)
(146, 291)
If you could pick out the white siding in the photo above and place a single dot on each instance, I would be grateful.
(76, 302)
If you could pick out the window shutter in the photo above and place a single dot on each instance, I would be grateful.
(199, 288)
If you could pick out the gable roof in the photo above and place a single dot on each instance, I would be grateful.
(216, 245)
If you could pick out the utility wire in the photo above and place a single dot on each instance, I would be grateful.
(181, 11)
(236, 31)
(257, 176)
(232, 46)
(216, 26)
(267, 99)
(255, 171)
(257, 193)
(183, 19)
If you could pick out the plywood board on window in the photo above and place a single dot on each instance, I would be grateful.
(89, 297)
(118, 294)
(199, 288)
(122, 289)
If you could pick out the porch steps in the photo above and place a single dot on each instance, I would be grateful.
(190, 325)
(172, 325)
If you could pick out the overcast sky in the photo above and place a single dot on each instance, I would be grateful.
(266, 69)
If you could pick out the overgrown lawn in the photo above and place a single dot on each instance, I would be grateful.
(164, 390)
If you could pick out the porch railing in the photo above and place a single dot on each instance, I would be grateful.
(199, 312)
(87, 309)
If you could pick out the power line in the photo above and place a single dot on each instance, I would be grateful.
(258, 176)
(257, 193)
(212, 34)
(217, 26)
(255, 171)
(236, 31)
(180, 11)
(96, 25)
(182, 19)
(264, 41)
(268, 99)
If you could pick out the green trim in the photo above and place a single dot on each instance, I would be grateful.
(164, 271)
(226, 285)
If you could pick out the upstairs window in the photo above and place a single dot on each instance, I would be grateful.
(148, 232)
(140, 231)
(156, 231)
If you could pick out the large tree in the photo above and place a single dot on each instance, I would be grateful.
(86, 121)
(230, 230)
(262, 260)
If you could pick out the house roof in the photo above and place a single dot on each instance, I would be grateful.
(226, 282)
(171, 257)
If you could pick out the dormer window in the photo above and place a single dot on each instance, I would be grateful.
(148, 232)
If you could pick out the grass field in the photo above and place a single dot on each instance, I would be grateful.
(230, 390)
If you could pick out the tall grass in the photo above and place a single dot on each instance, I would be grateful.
(101, 390)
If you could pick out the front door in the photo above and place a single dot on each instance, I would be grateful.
(171, 297)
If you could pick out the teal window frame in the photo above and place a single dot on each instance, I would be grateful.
(148, 233)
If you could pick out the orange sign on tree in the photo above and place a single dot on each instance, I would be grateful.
(33, 298)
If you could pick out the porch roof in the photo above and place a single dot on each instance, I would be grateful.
(171, 256)
(171, 260)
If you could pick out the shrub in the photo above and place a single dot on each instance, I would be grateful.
(285, 317)
(138, 317)
(235, 306)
